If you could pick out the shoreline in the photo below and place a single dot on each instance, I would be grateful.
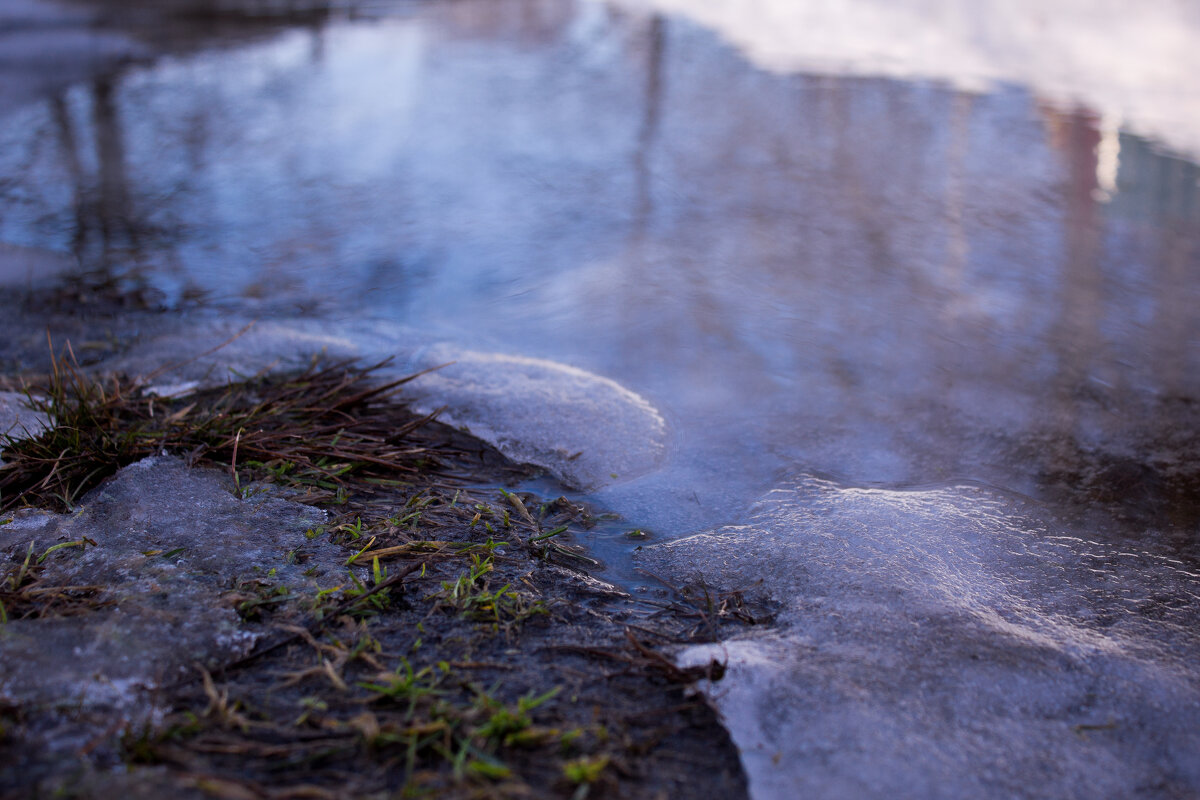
(430, 640)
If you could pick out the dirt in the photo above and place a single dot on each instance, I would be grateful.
(196, 638)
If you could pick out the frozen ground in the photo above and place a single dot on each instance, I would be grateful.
(165, 547)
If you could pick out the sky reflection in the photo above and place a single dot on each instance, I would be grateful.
(894, 281)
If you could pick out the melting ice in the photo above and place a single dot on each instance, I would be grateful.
(950, 643)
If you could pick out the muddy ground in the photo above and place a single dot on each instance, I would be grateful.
(197, 629)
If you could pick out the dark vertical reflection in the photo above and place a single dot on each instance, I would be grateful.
(318, 33)
(1176, 323)
(636, 262)
(957, 243)
(1076, 341)
(652, 113)
(1175, 319)
(1158, 204)
(114, 209)
(69, 150)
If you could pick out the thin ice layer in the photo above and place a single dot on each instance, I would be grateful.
(17, 419)
(945, 644)
(166, 548)
(584, 428)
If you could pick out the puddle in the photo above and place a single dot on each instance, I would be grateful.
(995, 289)
(968, 254)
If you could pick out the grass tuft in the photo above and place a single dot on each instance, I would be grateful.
(314, 429)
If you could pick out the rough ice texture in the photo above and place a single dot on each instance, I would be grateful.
(17, 419)
(585, 429)
(168, 613)
(945, 643)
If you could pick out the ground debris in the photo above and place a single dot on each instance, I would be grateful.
(311, 430)
(197, 631)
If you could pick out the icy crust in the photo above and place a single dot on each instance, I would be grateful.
(171, 546)
(947, 644)
(585, 429)
(207, 352)
(17, 420)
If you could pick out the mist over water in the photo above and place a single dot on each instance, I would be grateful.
(965, 300)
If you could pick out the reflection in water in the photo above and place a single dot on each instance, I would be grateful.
(1135, 69)
(74, 169)
(894, 282)
(113, 204)
(1076, 337)
(643, 205)
(106, 229)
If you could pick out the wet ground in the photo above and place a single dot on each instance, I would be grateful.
(926, 274)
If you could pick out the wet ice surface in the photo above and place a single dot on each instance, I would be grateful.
(171, 544)
(17, 419)
(705, 259)
(948, 643)
(586, 430)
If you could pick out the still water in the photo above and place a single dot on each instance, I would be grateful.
(917, 332)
